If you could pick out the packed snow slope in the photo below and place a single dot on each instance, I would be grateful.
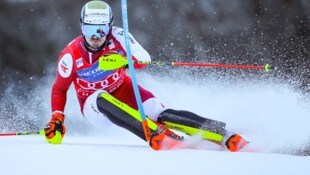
(272, 116)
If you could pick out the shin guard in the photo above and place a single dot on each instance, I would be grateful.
(123, 115)
(192, 124)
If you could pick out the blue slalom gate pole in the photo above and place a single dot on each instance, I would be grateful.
(132, 71)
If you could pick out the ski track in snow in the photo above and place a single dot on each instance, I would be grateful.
(272, 117)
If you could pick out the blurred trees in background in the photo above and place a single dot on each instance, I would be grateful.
(33, 32)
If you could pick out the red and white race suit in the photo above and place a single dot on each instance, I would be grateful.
(78, 66)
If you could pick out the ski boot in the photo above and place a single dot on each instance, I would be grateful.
(235, 142)
(163, 138)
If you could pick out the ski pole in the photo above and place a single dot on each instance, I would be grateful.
(232, 66)
(130, 63)
(115, 61)
(20, 133)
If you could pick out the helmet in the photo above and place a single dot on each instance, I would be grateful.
(97, 13)
(96, 19)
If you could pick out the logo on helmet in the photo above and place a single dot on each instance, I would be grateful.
(93, 16)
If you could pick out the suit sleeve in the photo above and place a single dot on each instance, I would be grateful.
(137, 51)
(64, 77)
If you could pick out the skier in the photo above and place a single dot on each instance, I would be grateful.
(107, 96)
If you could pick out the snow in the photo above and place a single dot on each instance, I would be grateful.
(272, 117)
(84, 155)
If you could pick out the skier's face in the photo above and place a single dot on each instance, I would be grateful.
(94, 34)
(95, 42)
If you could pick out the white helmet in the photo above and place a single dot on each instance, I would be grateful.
(96, 12)
(96, 19)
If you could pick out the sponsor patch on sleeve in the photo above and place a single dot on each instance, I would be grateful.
(79, 62)
(65, 65)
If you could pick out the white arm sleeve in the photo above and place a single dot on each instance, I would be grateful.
(137, 50)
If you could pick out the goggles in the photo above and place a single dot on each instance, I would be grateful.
(98, 30)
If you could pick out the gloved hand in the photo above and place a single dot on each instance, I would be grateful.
(112, 61)
(55, 130)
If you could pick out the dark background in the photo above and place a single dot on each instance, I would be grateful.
(277, 32)
(239, 32)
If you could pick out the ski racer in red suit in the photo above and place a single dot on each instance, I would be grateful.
(78, 63)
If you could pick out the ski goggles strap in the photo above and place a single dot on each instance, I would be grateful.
(99, 31)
